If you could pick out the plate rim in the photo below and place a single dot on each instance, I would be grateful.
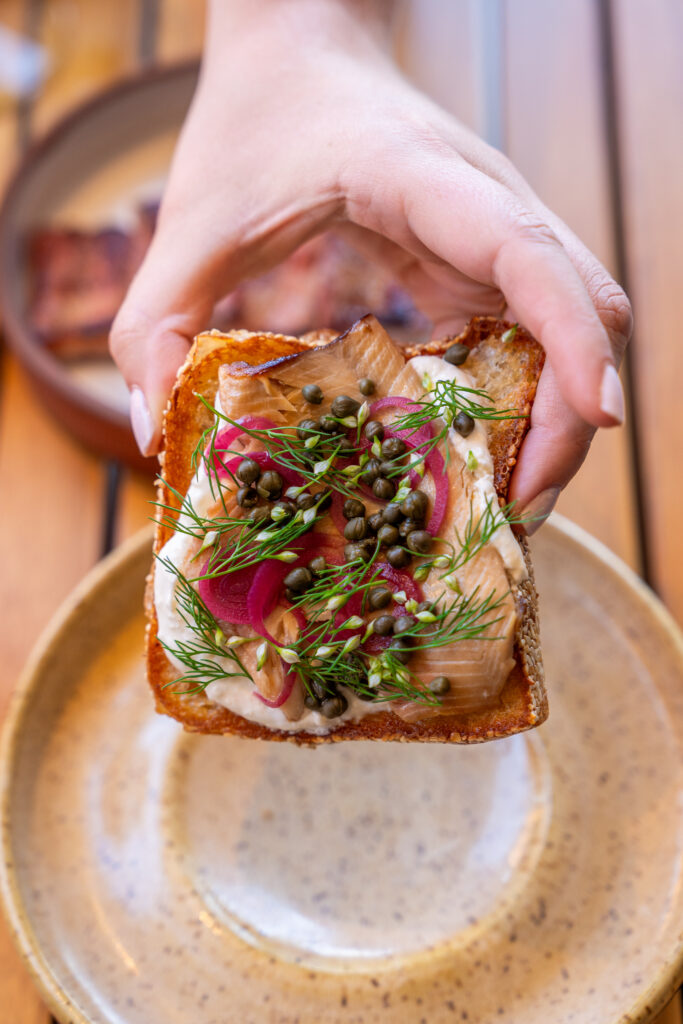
(647, 1004)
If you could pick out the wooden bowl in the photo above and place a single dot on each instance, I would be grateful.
(104, 155)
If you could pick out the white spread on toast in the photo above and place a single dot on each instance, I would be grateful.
(237, 693)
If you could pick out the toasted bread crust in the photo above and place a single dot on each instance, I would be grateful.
(509, 371)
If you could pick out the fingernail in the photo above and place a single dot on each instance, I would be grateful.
(539, 508)
(141, 421)
(612, 394)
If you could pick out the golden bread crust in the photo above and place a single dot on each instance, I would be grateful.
(509, 371)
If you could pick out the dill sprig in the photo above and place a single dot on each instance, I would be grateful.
(198, 655)
(446, 399)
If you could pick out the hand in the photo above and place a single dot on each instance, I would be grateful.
(301, 122)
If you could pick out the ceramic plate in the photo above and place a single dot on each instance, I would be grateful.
(152, 875)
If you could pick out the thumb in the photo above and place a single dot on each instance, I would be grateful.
(169, 301)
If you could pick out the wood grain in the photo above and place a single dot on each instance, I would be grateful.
(555, 137)
(650, 104)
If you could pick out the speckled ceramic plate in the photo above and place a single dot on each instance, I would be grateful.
(153, 876)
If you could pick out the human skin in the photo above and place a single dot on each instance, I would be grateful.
(301, 123)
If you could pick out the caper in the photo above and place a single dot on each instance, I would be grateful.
(344, 405)
(392, 514)
(398, 557)
(456, 354)
(384, 625)
(260, 514)
(440, 686)
(345, 446)
(464, 424)
(352, 552)
(403, 623)
(420, 541)
(306, 429)
(375, 522)
(366, 695)
(366, 386)
(286, 509)
(311, 702)
(426, 606)
(247, 497)
(317, 565)
(407, 526)
(352, 508)
(379, 597)
(329, 425)
(270, 485)
(323, 499)
(383, 488)
(291, 595)
(305, 500)
(415, 505)
(387, 535)
(388, 467)
(393, 448)
(400, 650)
(312, 393)
(298, 580)
(333, 707)
(321, 692)
(370, 472)
(373, 429)
(248, 471)
(355, 529)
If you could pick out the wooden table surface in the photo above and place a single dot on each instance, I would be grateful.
(586, 96)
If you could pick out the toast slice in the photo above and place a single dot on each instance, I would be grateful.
(505, 361)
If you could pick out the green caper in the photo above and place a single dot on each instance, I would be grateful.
(305, 500)
(370, 472)
(375, 522)
(323, 499)
(388, 467)
(311, 702)
(312, 394)
(366, 695)
(426, 606)
(306, 429)
(270, 485)
(415, 505)
(355, 529)
(344, 405)
(456, 354)
(352, 552)
(352, 508)
(317, 565)
(393, 448)
(407, 526)
(321, 692)
(345, 446)
(260, 514)
(464, 424)
(384, 625)
(366, 386)
(440, 686)
(400, 650)
(298, 580)
(420, 541)
(392, 514)
(248, 471)
(379, 597)
(291, 595)
(387, 535)
(333, 707)
(373, 429)
(283, 509)
(247, 497)
(329, 425)
(404, 623)
(383, 488)
(398, 557)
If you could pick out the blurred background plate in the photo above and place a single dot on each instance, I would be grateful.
(90, 172)
(154, 875)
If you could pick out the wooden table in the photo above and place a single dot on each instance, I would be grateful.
(586, 96)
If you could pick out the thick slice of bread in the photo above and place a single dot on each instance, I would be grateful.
(507, 363)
